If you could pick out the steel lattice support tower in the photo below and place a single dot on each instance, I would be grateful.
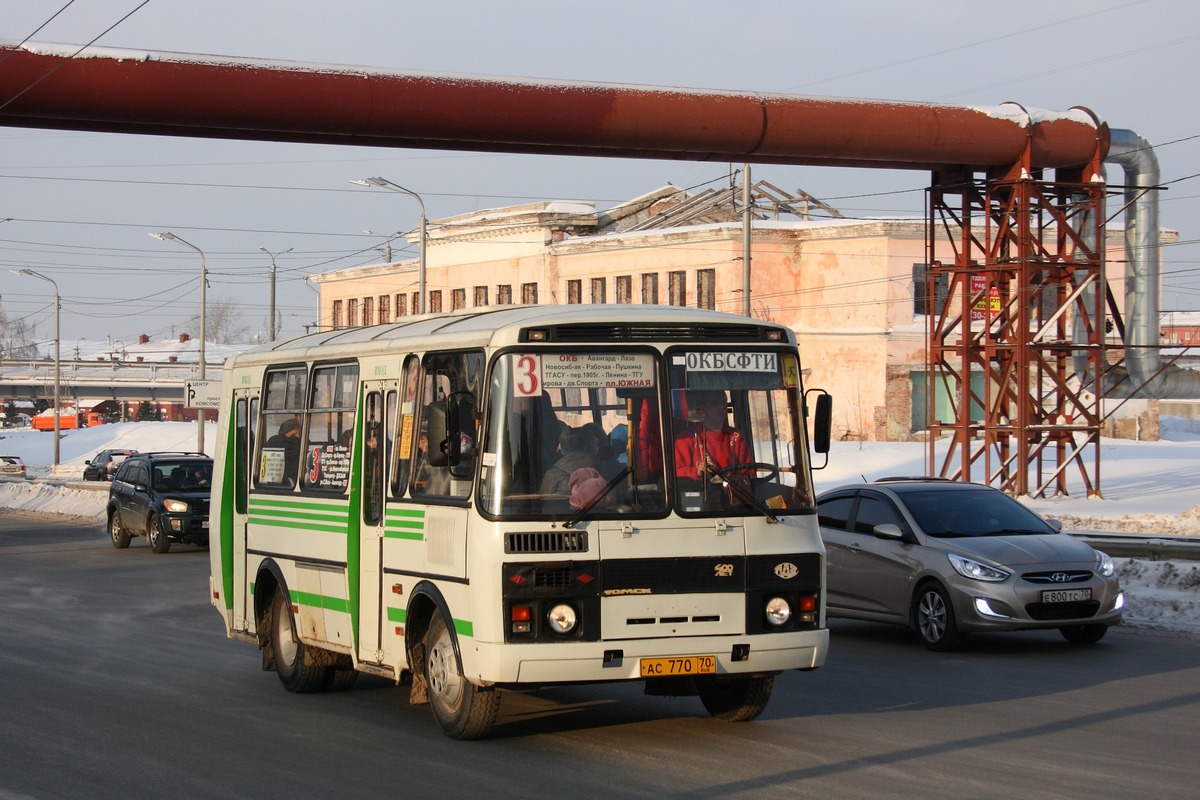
(1020, 263)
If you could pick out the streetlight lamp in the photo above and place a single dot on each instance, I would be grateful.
(384, 183)
(165, 236)
(273, 324)
(57, 362)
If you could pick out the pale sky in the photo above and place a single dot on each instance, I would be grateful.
(81, 204)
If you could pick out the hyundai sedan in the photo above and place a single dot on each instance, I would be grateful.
(947, 558)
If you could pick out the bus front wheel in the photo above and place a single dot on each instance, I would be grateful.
(295, 665)
(462, 709)
(735, 699)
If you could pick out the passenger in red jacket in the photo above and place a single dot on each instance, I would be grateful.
(708, 443)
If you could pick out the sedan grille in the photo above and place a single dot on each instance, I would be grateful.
(1058, 577)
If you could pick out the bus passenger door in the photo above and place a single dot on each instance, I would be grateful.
(376, 434)
(245, 409)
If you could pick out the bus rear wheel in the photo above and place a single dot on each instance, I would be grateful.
(735, 699)
(295, 665)
(462, 709)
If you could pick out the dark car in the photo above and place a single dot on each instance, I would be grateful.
(103, 465)
(162, 496)
(948, 558)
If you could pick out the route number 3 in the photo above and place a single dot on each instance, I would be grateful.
(527, 376)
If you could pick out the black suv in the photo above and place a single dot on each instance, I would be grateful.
(103, 465)
(162, 496)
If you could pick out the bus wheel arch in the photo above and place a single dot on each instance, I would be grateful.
(268, 580)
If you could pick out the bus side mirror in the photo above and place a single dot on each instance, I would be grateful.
(822, 422)
(437, 434)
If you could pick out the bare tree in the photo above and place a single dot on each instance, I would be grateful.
(224, 322)
(16, 337)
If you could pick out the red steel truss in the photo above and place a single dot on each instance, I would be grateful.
(1020, 262)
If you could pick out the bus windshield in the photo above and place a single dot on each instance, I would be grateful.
(585, 432)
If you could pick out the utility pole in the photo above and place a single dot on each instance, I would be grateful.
(273, 324)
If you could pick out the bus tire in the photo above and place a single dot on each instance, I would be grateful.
(734, 699)
(462, 709)
(298, 671)
(118, 534)
(159, 541)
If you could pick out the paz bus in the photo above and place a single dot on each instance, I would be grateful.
(493, 499)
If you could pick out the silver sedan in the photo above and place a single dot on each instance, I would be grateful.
(948, 558)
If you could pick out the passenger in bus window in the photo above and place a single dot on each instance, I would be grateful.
(577, 448)
(288, 439)
(707, 443)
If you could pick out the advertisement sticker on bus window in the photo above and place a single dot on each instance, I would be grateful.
(533, 373)
(729, 362)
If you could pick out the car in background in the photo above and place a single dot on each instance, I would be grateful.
(161, 496)
(947, 558)
(12, 467)
(103, 465)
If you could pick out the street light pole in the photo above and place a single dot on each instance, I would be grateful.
(165, 236)
(274, 328)
(384, 183)
(57, 361)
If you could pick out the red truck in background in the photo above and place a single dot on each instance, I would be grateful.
(86, 419)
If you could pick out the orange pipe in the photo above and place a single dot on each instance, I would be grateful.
(230, 98)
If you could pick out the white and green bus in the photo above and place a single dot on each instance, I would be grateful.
(495, 499)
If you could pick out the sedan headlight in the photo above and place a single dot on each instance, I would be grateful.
(1104, 565)
(977, 570)
(175, 506)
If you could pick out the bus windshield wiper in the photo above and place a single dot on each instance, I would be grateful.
(586, 507)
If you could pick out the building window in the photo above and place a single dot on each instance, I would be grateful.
(368, 311)
(416, 302)
(481, 296)
(650, 288)
(352, 312)
(706, 288)
(458, 299)
(401, 304)
(504, 294)
(624, 289)
(574, 292)
(385, 309)
(928, 300)
(337, 314)
(435, 301)
(599, 290)
(529, 293)
(677, 288)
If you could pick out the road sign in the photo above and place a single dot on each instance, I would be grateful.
(202, 394)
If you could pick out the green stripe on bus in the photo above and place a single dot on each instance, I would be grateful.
(416, 536)
(341, 506)
(321, 601)
(461, 626)
(309, 526)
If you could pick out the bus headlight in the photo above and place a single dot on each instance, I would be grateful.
(778, 611)
(561, 618)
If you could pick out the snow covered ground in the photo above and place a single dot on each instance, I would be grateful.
(1148, 488)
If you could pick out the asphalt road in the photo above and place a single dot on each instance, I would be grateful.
(116, 681)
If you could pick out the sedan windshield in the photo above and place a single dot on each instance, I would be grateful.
(981, 512)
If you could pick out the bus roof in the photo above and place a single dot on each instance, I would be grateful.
(501, 326)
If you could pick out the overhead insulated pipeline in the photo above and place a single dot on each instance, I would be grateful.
(1144, 375)
(122, 91)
